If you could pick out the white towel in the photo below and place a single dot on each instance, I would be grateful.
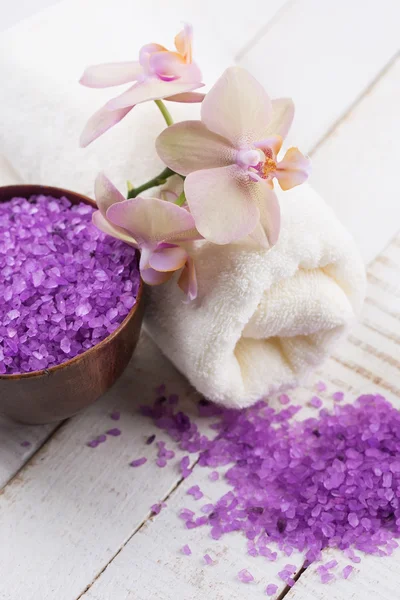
(263, 320)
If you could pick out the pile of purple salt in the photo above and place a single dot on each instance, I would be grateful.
(331, 481)
(64, 285)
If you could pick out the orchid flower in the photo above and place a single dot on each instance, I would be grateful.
(159, 73)
(230, 160)
(157, 228)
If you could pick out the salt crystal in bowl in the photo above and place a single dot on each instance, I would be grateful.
(60, 391)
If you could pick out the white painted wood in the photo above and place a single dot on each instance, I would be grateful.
(14, 453)
(324, 55)
(356, 168)
(151, 565)
(13, 12)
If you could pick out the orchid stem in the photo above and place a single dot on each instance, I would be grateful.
(155, 182)
(180, 201)
(165, 112)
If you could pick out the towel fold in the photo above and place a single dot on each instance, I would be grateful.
(263, 320)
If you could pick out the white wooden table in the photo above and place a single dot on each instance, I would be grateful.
(74, 521)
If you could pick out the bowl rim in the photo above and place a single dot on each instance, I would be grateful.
(28, 188)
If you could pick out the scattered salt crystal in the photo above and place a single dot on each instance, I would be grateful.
(321, 386)
(284, 399)
(195, 492)
(25, 444)
(338, 396)
(150, 439)
(208, 560)
(93, 444)
(326, 577)
(115, 432)
(186, 550)
(290, 568)
(316, 402)
(115, 415)
(271, 589)
(245, 576)
(101, 438)
(346, 571)
(138, 462)
(331, 564)
(156, 508)
(161, 462)
(213, 476)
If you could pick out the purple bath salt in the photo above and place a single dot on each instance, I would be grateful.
(346, 571)
(338, 396)
(186, 550)
(271, 589)
(59, 279)
(321, 386)
(208, 560)
(115, 432)
(330, 481)
(195, 492)
(245, 576)
(284, 399)
(316, 402)
(138, 462)
(115, 415)
(26, 444)
(213, 476)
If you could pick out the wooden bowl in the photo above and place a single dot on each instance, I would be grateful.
(61, 391)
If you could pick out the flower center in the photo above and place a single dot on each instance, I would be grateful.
(259, 163)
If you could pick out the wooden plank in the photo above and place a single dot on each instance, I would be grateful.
(356, 168)
(321, 54)
(150, 565)
(17, 444)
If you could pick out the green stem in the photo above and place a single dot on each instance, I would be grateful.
(155, 182)
(180, 201)
(165, 112)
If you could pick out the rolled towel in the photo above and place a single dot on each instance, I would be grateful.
(263, 320)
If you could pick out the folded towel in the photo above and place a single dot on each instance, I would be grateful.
(263, 320)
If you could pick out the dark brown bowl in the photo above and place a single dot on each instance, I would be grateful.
(61, 391)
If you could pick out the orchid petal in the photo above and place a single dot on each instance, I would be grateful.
(187, 97)
(150, 89)
(237, 107)
(106, 227)
(188, 280)
(152, 277)
(110, 74)
(183, 42)
(152, 221)
(270, 213)
(282, 117)
(168, 259)
(274, 142)
(106, 193)
(189, 146)
(100, 122)
(146, 51)
(294, 169)
(166, 65)
(221, 205)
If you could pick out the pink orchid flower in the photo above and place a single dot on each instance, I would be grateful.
(159, 73)
(230, 159)
(158, 228)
